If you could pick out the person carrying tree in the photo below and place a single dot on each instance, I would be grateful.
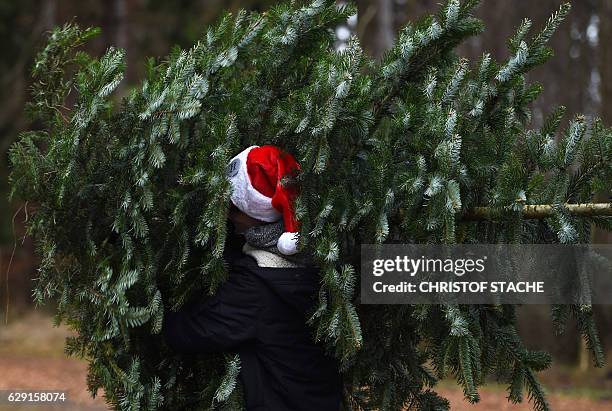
(260, 311)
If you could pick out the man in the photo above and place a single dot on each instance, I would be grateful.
(260, 311)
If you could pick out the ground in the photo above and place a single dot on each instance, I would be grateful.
(31, 357)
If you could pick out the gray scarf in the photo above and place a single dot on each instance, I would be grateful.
(265, 236)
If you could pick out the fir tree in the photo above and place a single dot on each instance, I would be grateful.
(131, 199)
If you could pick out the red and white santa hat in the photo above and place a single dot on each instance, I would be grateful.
(255, 175)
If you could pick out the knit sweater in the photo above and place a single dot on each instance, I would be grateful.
(261, 245)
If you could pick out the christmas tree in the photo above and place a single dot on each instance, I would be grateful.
(130, 199)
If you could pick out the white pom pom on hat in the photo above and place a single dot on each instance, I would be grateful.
(256, 174)
(287, 243)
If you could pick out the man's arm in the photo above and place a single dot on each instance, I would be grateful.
(217, 323)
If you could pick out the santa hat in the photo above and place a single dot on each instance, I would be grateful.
(255, 175)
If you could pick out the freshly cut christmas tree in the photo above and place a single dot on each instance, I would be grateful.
(131, 199)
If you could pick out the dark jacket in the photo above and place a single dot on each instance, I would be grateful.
(260, 313)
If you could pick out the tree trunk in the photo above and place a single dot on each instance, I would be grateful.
(120, 32)
(539, 211)
(605, 70)
(49, 13)
(120, 24)
(376, 19)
